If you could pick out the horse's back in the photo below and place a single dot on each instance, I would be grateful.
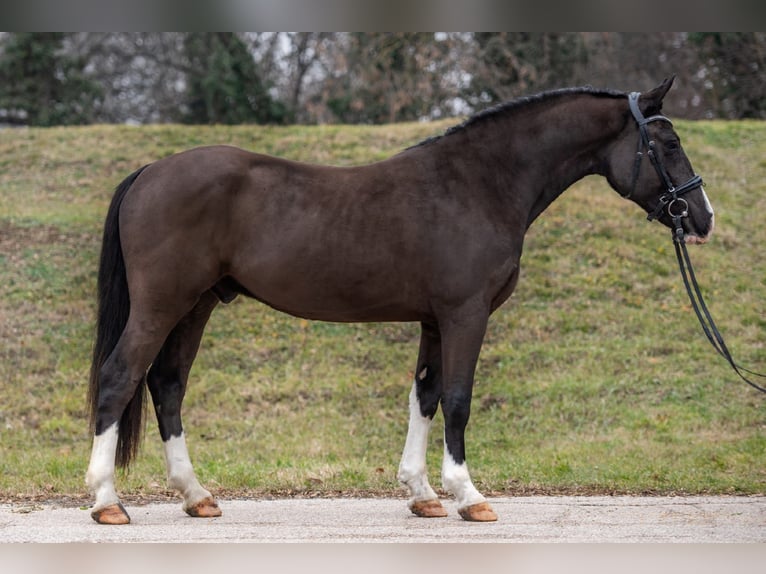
(334, 243)
(305, 238)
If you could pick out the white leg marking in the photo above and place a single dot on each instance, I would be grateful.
(181, 475)
(456, 480)
(412, 469)
(100, 475)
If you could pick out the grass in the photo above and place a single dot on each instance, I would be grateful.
(594, 377)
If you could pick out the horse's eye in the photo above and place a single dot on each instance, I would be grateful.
(673, 145)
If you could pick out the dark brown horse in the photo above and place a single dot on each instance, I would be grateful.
(433, 234)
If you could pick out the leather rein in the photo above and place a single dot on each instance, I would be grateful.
(678, 209)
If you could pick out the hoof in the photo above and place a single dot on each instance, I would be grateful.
(481, 512)
(205, 508)
(112, 514)
(428, 508)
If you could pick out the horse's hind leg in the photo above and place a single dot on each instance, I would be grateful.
(107, 508)
(119, 378)
(167, 380)
(424, 400)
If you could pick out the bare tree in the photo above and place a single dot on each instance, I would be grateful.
(313, 77)
(382, 77)
(731, 70)
(141, 74)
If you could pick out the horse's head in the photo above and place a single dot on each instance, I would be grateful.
(648, 165)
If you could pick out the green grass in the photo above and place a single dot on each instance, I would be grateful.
(594, 378)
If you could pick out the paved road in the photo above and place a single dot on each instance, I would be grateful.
(522, 519)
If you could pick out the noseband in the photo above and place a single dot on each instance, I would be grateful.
(676, 205)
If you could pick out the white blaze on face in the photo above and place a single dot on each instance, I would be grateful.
(694, 239)
(709, 209)
(707, 201)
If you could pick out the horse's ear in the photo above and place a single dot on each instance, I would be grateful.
(651, 101)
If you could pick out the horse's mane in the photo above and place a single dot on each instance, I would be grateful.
(509, 107)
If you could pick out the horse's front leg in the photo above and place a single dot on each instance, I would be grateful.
(462, 336)
(424, 400)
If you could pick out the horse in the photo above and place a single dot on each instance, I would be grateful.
(433, 234)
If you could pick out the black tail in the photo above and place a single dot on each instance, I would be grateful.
(113, 311)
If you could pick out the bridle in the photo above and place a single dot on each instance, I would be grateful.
(678, 209)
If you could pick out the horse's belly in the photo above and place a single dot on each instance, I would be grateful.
(340, 309)
(320, 294)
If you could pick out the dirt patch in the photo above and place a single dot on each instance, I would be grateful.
(14, 239)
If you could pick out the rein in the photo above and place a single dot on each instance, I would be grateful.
(677, 209)
(700, 309)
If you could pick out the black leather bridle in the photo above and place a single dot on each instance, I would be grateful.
(677, 209)
(676, 205)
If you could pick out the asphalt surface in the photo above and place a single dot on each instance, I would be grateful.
(521, 519)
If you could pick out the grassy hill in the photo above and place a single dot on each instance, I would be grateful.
(594, 377)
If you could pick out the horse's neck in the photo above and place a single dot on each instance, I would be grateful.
(567, 144)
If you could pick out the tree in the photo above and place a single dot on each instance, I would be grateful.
(510, 64)
(40, 85)
(142, 74)
(223, 83)
(303, 54)
(732, 69)
(328, 77)
(378, 78)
